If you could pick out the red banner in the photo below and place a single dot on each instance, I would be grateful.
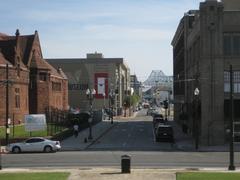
(101, 85)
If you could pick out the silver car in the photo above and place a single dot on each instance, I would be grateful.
(36, 144)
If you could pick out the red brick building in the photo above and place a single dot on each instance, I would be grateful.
(34, 83)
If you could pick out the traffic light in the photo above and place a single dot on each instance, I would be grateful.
(165, 103)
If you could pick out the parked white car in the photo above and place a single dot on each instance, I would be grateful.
(36, 144)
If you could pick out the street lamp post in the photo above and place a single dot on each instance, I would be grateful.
(130, 97)
(111, 103)
(90, 95)
(104, 101)
(231, 166)
(7, 104)
(196, 94)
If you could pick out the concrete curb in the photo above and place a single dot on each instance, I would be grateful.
(115, 173)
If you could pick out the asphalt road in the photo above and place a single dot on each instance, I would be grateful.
(143, 159)
(132, 137)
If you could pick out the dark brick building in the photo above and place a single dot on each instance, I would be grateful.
(34, 83)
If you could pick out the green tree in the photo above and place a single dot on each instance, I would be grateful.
(134, 99)
(131, 100)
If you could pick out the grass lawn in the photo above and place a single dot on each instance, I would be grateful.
(34, 176)
(207, 176)
(19, 132)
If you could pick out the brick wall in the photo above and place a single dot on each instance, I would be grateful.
(18, 87)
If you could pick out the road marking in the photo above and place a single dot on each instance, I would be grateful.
(124, 130)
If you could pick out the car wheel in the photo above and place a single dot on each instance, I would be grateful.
(16, 149)
(47, 149)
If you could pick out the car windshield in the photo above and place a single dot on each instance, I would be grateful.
(165, 129)
(158, 116)
(159, 119)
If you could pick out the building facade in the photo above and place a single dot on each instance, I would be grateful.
(34, 84)
(105, 75)
(206, 42)
(136, 85)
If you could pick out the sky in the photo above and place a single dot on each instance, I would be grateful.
(140, 31)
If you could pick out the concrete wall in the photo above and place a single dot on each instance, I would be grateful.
(231, 5)
(81, 76)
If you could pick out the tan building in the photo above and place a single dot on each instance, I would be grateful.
(95, 71)
(206, 42)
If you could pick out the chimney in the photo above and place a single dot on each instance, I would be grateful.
(59, 70)
(17, 33)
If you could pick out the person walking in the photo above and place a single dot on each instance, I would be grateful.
(75, 130)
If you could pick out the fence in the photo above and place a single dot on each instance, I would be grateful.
(57, 120)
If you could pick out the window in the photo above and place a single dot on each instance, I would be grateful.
(56, 86)
(231, 44)
(226, 81)
(212, 8)
(34, 140)
(236, 111)
(42, 76)
(227, 45)
(236, 81)
(236, 45)
(17, 98)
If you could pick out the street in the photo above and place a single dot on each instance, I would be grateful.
(141, 159)
(133, 137)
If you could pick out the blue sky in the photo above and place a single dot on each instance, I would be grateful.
(140, 31)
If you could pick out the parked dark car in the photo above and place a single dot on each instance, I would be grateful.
(164, 133)
(157, 115)
(109, 111)
(158, 118)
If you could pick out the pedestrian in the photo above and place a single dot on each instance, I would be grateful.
(75, 130)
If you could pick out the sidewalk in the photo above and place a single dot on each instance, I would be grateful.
(115, 173)
(105, 173)
(78, 143)
(122, 117)
(109, 174)
(184, 142)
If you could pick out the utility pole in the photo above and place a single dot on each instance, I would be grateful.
(231, 147)
(0, 156)
(7, 104)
